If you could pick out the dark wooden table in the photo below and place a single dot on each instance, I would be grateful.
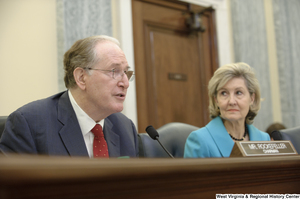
(63, 177)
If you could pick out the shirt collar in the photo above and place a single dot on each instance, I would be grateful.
(86, 123)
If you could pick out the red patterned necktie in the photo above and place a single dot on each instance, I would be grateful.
(99, 144)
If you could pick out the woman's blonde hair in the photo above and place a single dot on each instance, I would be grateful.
(225, 73)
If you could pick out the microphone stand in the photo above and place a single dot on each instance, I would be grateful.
(164, 148)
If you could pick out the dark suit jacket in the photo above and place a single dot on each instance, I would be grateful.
(50, 126)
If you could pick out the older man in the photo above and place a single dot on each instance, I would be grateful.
(85, 119)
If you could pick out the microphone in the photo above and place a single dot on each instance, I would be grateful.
(154, 135)
(276, 135)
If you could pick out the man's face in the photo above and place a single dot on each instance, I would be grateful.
(104, 93)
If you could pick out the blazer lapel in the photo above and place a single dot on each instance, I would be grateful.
(70, 133)
(220, 136)
(112, 139)
(252, 135)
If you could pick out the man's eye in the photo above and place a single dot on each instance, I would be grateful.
(116, 70)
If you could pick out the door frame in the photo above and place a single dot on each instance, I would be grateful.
(123, 31)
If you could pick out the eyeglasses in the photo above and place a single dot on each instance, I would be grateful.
(117, 74)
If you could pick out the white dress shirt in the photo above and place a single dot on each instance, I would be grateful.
(86, 124)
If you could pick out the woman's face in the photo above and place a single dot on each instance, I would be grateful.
(234, 100)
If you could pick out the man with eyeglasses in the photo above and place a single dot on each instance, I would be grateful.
(85, 120)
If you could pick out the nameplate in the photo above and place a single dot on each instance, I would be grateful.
(263, 148)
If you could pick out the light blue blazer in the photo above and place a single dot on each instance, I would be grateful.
(214, 141)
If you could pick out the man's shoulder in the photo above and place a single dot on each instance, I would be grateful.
(119, 120)
(118, 116)
(41, 104)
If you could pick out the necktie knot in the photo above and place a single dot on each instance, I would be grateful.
(97, 131)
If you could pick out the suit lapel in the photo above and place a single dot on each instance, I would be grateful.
(70, 133)
(112, 138)
(220, 136)
(252, 135)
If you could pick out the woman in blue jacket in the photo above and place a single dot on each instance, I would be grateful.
(234, 101)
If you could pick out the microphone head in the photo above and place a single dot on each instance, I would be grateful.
(152, 132)
(276, 135)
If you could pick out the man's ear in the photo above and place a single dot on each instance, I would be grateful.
(79, 76)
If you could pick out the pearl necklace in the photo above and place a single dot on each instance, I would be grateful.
(236, 139)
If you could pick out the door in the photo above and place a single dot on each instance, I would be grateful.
(173, 63)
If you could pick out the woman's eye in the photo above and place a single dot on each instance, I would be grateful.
(223, 93)
(239, 93)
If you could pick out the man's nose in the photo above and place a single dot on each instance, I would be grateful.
(124, 82)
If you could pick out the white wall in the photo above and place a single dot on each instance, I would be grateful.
(28, 55)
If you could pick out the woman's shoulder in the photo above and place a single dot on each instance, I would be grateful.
(212, 126)
(265, 136)
(252, 128)
(202, 132)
